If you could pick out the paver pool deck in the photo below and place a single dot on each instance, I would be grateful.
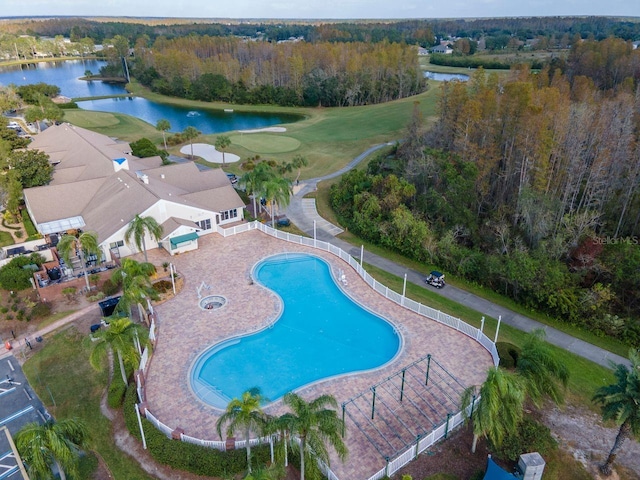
(185, 331)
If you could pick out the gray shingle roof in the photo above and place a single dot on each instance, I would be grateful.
(85, 183)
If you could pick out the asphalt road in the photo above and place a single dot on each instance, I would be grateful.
(584, 349)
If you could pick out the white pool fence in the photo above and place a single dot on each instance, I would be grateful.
(392, 465)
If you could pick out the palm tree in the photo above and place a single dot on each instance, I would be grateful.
(244, 413)
(42, 446)
(163, 126)
(315, 425)
(542, 372)
(136, 284)
(279, 425)
(120, 337)
(80, 243)
(254, 180)
(277, 190)
(298, 162)
(500, 408)
(222, 142)
(138, 229)
(620, 402)
(189, 134)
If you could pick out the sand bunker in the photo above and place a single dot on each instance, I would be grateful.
(267, 129)
(209, 153)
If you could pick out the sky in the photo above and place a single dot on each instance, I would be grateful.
(319, 9)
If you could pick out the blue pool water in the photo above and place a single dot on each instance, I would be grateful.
(321, 333)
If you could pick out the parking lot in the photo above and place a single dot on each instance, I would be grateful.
(19, 405)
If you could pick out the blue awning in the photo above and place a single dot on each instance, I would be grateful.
(180, 239)
(494, 472)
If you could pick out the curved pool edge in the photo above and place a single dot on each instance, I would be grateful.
(218, 397)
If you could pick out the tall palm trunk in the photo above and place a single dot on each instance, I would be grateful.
(63, 476)
(286, 453)
(474, 444)
(144, 249)
(302, 449)
(248, 445)
(122, 370)
(84, 268)
(623, 434)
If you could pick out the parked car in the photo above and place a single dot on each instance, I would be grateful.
(283, 222)
(232, 178)
(436, 279)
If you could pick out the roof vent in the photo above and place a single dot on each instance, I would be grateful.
(162, 175)
(143, 177)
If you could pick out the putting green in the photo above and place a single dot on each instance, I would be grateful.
(89, 119)
(265, 143)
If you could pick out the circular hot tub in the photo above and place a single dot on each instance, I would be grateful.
(212, 302)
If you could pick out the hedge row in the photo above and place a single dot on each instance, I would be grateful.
(186, 456)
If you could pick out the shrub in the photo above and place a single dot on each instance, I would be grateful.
(162, 286)
(4, 309)
(14, 307)
(109, 287)
(8, 317)
(28, 224)
(41, 309)
(19, 234)
(116, 393)
(94, 298)
(477, 475)
(14, 277)
(20, 315)
(509, 354)
(68, 105)
(530, 436)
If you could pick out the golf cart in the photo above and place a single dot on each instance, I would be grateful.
(436, 279)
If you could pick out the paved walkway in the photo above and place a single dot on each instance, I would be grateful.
(309, 210)
(31, 337)
(296, 212)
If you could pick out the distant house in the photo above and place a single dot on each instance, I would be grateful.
(98, 185)
(422, 51)
(442, 48)
(636, 44)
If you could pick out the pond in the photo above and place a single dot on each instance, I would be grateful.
(64, 74)
(205, 120)
(446, 77)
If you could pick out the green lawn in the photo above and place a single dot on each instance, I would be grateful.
(328, 137)
(265, 143)
(118, 125)
(61, 373)
(6, 239)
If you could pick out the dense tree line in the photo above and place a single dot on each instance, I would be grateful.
(530, 186)
(300, 73)
(423, 32)
(475, 62)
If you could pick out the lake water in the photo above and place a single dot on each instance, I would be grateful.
(63, 74)
(446, 77)
(66, 75)
(205, 120)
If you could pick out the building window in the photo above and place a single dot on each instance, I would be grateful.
(119, 243)
(227, 214)
(204, 224)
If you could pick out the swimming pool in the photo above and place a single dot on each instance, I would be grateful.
(321, 333)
